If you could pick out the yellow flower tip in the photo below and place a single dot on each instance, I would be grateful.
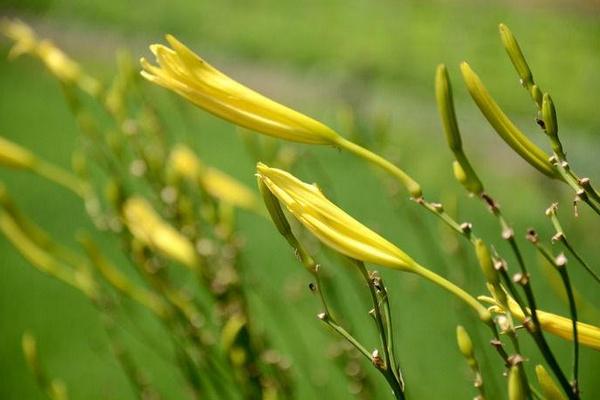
(549, 388)
(443, 94)
(185, 73)
(516, 55)
(465, 345)
(29, 346)
(516, 387)
(151, 230)
(330, 224)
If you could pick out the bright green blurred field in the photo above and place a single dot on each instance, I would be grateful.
(376, 58)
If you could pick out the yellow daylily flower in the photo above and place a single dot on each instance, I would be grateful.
(149, 228)
(589, 335)
(338, 230)
(188, 75)
(57, 62)
(331, 224)
(184, 163)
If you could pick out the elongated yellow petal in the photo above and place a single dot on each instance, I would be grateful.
(188, 75)
(149, 228)
(331, 224)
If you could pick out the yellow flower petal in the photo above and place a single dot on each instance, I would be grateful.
(150, 229)
(331, 224)
(185, 73)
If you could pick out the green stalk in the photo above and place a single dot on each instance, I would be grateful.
(409, 183)
(483, 312)
(388, 369)
(60, 177)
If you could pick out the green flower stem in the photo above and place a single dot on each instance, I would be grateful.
(561, 237)
(60, 177)
(581, 261)
(562, 270)
(409, 183)
(385, 334)
(498, 344)
(483, 312)
(570, 179)
(329, 321)
(507, 234)
(390, 335)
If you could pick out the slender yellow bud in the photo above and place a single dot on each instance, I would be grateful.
(504, 126)
(29, 346)
(185, 73)
(223, 187)
(56, 61)
(14, 156)
(516, 55)
(443, 94)
(463, 171)
(58, 390)
(465, 345)
(183, 163)
(275, 211)
(547, 384)
(536, 95)
(516, 387)
(551, 125)
(150, 229)
(485, 262)
(465, 174)
(549, 117)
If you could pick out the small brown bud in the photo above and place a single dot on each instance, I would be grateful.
(558, 237)
(439, 207)
(532, 236)
(508, 234)
(561, 260)
(516, 359)
(552, 209)
(529, 325)
(521, 279)
(377, 360)
(466, 227)
(499, 264)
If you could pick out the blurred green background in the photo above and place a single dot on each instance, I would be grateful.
(376, 58)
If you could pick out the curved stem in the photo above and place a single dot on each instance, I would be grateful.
(60, 177)
(472, 302)
(409, 183)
